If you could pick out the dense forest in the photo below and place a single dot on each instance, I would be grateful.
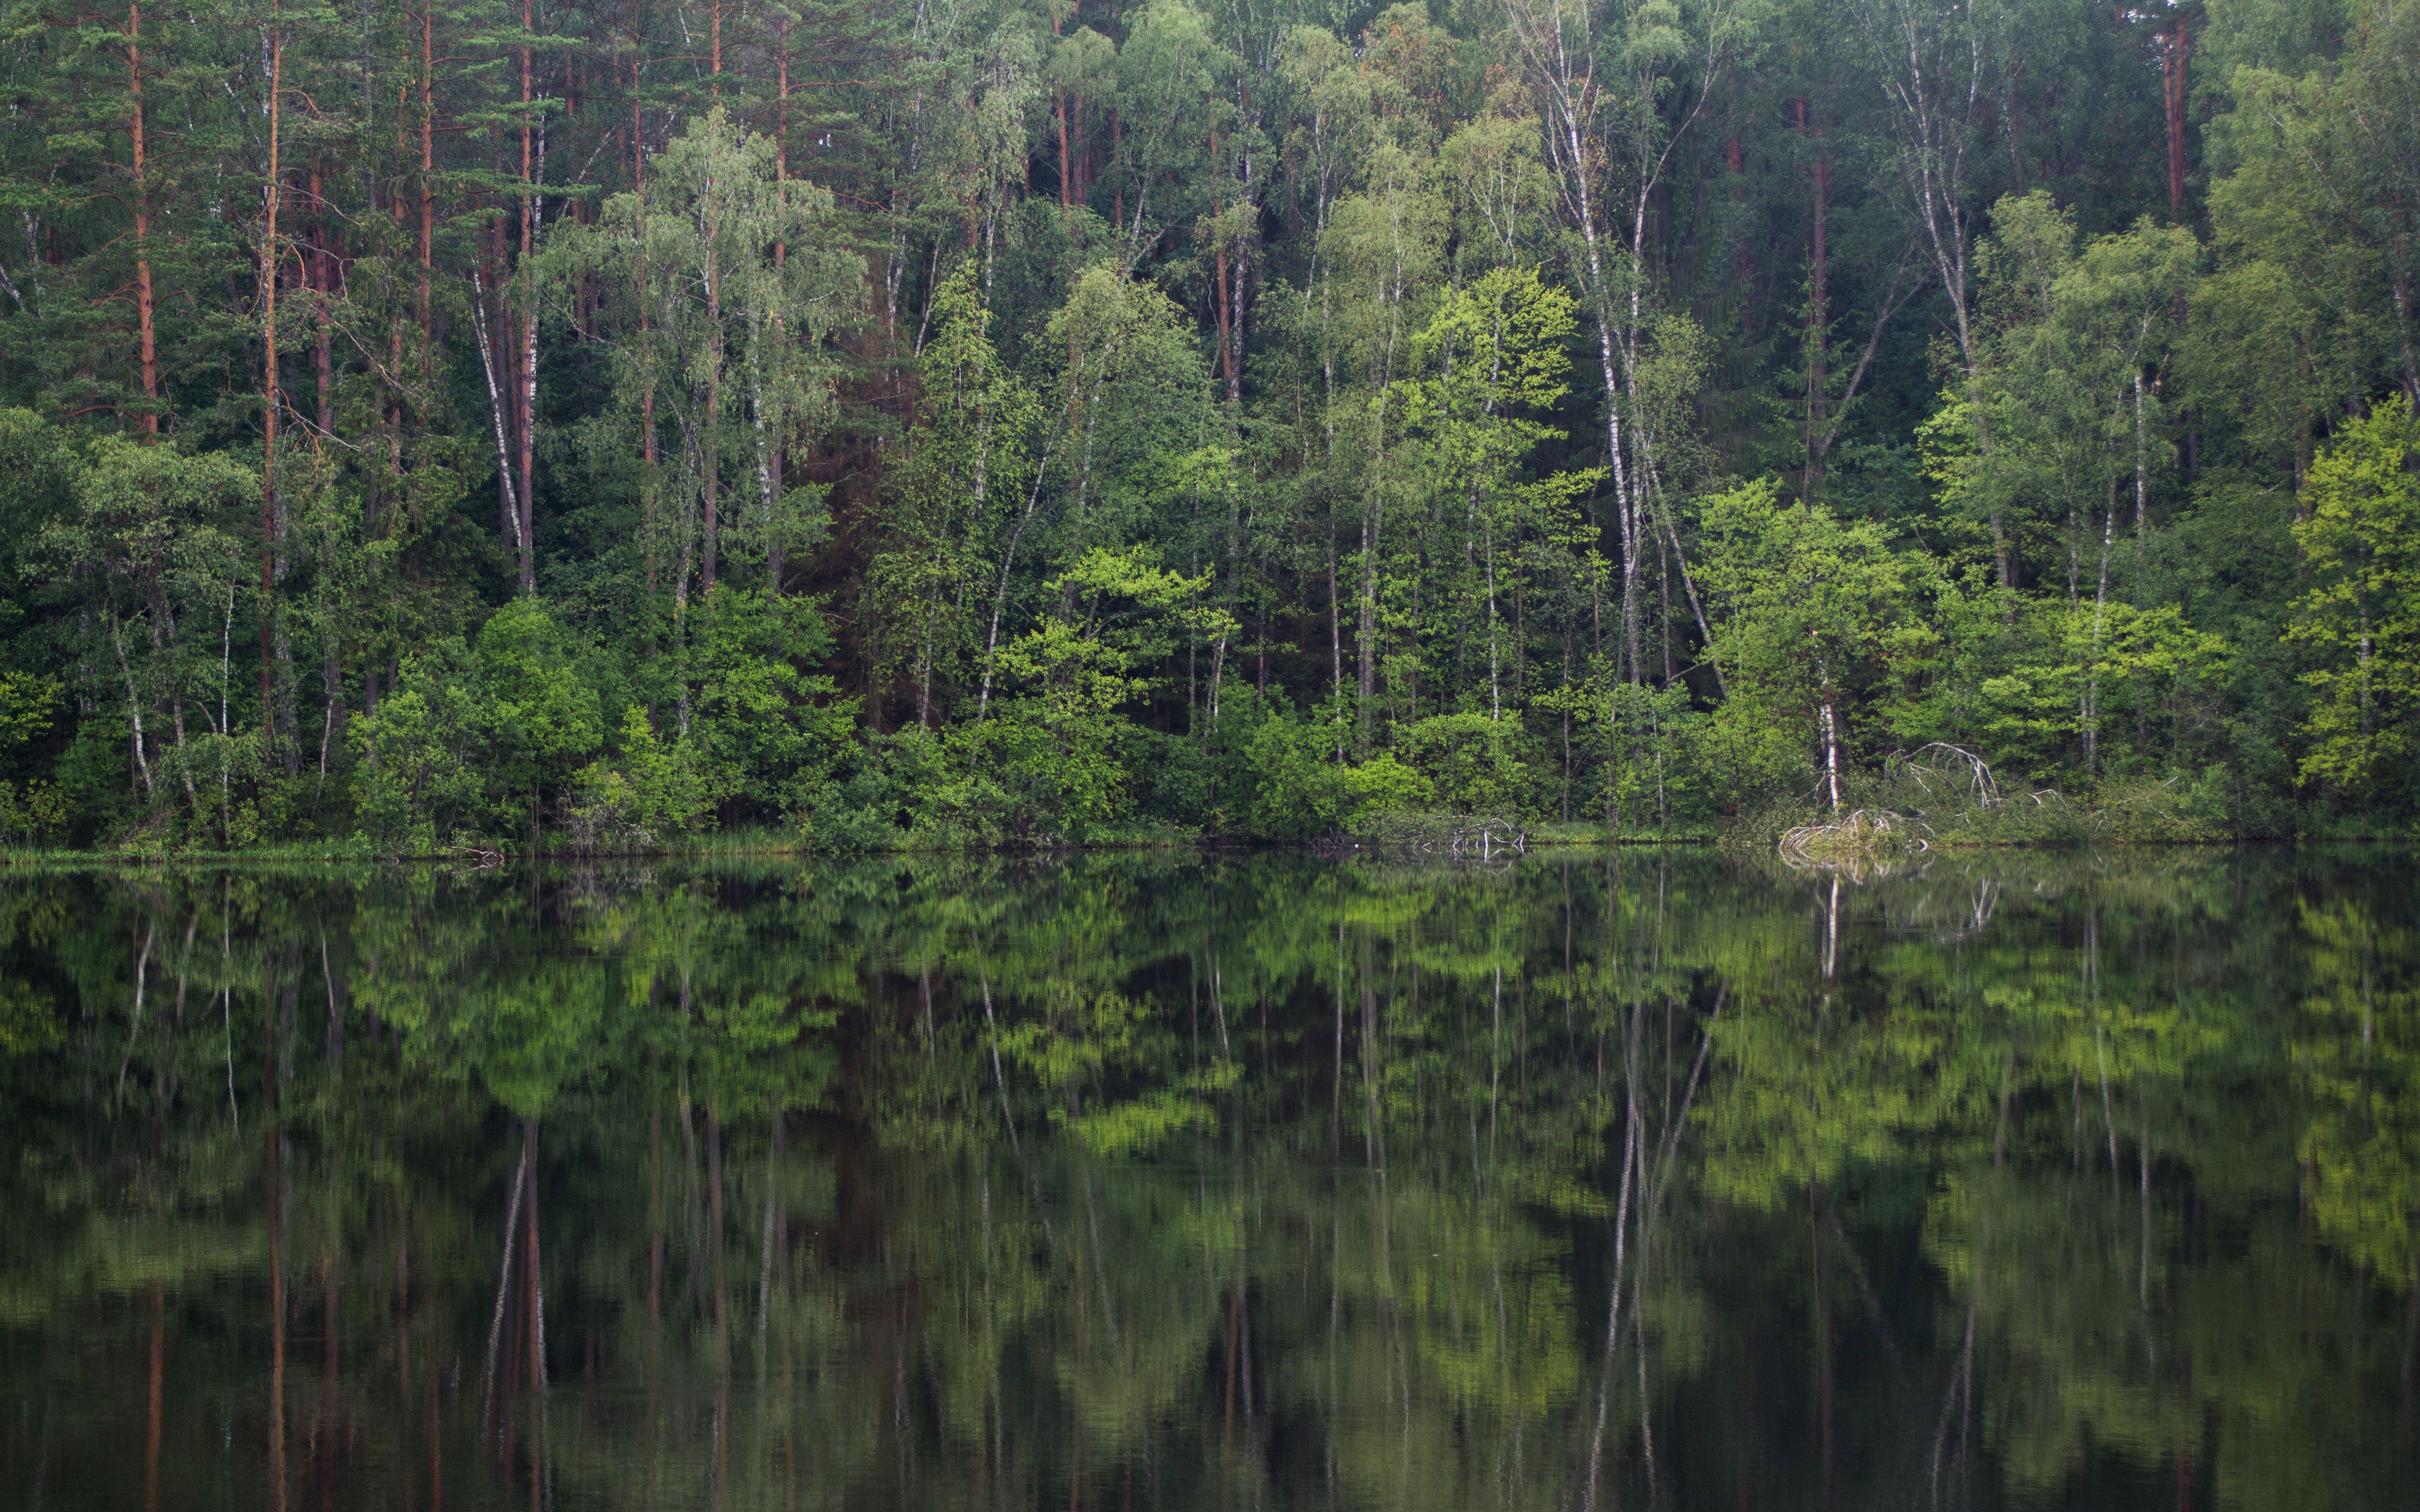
(977, 422)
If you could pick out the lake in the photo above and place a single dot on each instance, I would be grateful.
(2020, 1180)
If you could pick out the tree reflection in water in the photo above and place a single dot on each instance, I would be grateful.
(1166, 1180)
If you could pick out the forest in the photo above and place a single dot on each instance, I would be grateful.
(981, 423)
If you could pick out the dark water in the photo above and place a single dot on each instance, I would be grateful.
(2033, 1180)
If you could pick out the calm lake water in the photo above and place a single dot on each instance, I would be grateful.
(1172, 1181)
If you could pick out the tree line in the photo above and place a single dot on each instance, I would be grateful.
(989, 422)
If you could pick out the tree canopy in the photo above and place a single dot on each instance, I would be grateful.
(988, 422)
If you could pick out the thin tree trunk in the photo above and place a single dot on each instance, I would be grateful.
(319, 280)
(709, 462)
(647, 482)
(498, 407)
(773, 543)
(2142, 465)
(428, 187)
(331, 687)
(1819, 324)
(133, 703)
(164, 647)
(2177, 48)
(147, 352)
(525, 397)
(1831, 745)
(269, 397)
(2091, 710)
(999, 595)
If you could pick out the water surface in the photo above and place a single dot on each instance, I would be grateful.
(1169, 1181)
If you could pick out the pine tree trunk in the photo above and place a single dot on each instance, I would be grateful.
(525, 390)
(1819, 323)
(269, 397)
(646, 358)
(428, 188)
(2173, 56)
(774, 485)
(148, 351)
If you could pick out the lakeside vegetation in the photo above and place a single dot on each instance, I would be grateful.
(989, 422)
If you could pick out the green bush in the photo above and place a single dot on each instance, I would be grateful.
(1472, 762)
(476, 741)
(1301, 790)
(644, 794)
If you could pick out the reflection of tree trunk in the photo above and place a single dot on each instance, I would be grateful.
(1832, 932)
(436, 1452)
(324, 1462)
(2410, 1364)
(504, 1278)
(2143, 1171)
(1613, 1293)
(773, 1226)
(134, 1025)
(1234, 1322)
(655, 1219)
(1866, 1293)
(1823, 1310)
(276, 1239)
(533, 1293)
(403, 1341)
(152, 1402)
(714, 1203)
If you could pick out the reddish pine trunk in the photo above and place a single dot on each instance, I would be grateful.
(1818, 317)
(1066, 166)
(646, 367)
(525, 390)
(148, 349)
(2172, 60)
(776, 461)
(428, 188)
(270, 399)
(375, 503)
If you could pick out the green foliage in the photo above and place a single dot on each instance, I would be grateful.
(1302, 787)
(1820, 619)
(2361, 614)
(647, 793)
(478, 740)
(1112, 377)
(767, 733)
(1472, 762)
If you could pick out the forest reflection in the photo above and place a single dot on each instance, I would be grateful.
(1182, 1182)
